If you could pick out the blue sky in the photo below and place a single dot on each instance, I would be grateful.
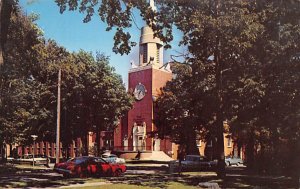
(68, 30)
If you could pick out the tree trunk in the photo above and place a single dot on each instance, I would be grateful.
(98, 149)
(6, 7)
(85, 148)
(293, 163)
(219, 115)
(1, 41)
(2, 151)
(250, 153)
(220, 147)
(239, 147)
(219, 108)
(191, 141)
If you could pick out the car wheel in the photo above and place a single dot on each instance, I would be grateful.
(117, 173)
(66, 175)
(227, 163)
(239, 163)
(47, 165)
(82, 175)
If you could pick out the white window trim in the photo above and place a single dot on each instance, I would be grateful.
(199, 143)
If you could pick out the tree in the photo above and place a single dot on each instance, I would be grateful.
(245, 39)
(6, 9)
(18, 91)
(174, 111)
(93, 95)
(104, 97)
(219, 35)
(261, 125)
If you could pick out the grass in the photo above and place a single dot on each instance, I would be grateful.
(24, 176)
(170, 185)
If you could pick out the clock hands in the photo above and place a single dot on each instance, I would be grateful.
(139, 92)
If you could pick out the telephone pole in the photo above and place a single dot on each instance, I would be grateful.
(58, 117)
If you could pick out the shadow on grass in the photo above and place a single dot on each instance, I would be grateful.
(15, 177)
(236, 178)
(162, 179)
(12, 177)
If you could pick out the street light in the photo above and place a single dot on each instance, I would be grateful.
(34, 138)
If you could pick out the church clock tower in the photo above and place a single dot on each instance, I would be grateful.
(145, 81)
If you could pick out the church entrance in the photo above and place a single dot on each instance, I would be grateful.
(139, 135)
(156, 146)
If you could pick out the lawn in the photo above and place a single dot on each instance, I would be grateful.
(40, 177)
(170, 185)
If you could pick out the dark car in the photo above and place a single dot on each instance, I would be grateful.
(87, 166)
(194, 163)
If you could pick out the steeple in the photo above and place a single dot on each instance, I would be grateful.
(151, 48)
(152, 5)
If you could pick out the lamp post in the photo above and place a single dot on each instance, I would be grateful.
(34, 138)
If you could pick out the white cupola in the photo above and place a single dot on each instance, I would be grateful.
(151, 49)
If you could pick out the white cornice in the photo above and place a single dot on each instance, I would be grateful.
(151, 66)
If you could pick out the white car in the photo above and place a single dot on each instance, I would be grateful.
(233, 160)
(10, 159)
(112, 158)
(28, 159)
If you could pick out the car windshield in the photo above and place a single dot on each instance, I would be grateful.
(78, 160)
(100, 160)
(109, 156)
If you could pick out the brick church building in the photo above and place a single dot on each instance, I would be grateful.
(145, 80)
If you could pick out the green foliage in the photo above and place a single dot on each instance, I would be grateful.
(252, 81)
(93, 95)
(18, 93)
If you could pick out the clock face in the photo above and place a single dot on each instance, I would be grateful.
(139, 91)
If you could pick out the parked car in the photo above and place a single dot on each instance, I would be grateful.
(233, 160)
(86, 166)
(28, 159)
(112, 158)
(194, 163)
(10, 159)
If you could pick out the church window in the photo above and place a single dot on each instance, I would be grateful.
(145, 53)
(229, 143)
(157, 53)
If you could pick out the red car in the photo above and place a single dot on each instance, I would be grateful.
(86, 166)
